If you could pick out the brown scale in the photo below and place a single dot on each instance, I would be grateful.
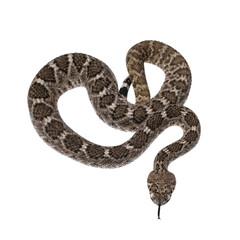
(100, 85)
(107, 100)
(95, 151)
(139, 115)
(173, 111)
(156, 105)
(191, 119)
(170, 96)
(37, 90)
(154, 121)
(41, 111)
(62, 62)
(118, 152)
(175, 147)
(94, 68)
(73, 142)
(139, 139)
(54, 129)
(79, 60)
(47, 74)
(119, 112)
(191, 136)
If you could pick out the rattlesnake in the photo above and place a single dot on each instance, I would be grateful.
(148, 117)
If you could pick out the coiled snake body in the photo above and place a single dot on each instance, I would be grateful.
(148, 117)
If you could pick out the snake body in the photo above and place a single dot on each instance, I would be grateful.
(147, 118)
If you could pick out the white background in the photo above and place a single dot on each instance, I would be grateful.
(45, 195)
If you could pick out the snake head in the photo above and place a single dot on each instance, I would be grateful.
(161, 185)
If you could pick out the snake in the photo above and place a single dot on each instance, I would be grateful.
(147, 118)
